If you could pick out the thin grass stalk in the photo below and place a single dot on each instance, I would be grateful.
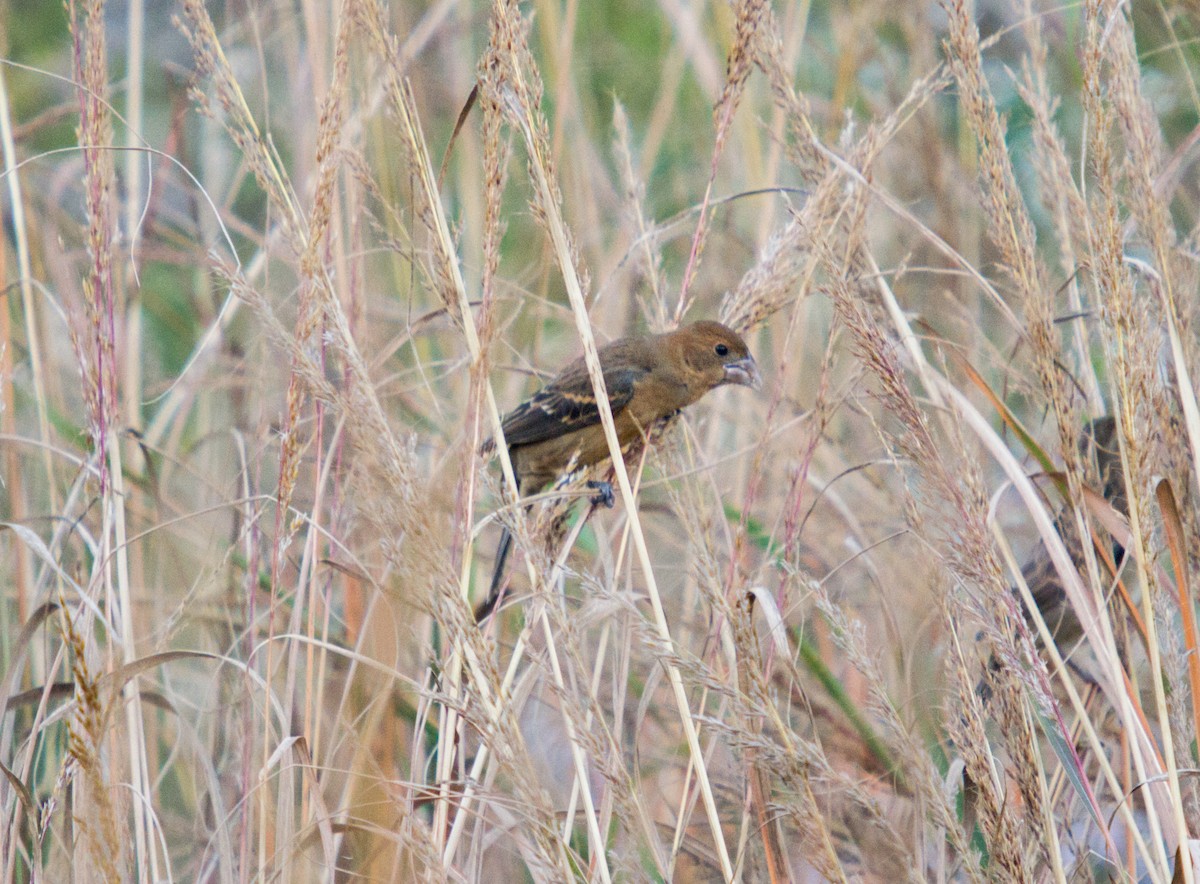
(1060, 193)
(599, 846)
(969, 558)
(133, 206)
(653, 306)
(1116, 295)
(955, 483)
(101, 309)
(445, 253)
(1112, 680)
(1141, 141)
(283, 533)
(304, 605)
(22, 567)
(1175, 534)
(269, 176)
(749, 17)
(750, 681)
(449, 266)
(324, 662)
(144, 841)
(1116, 786)
(559, 35)
(607, 752)
(794, 28)
(792, 753)
(597, 672)
(507, 690)
(473, 653)
(578, 787)
(1043, 807)
(313, 262)
(894, 313)
(102, 849)
(29, 310)
(1160, 811)
(438, 227)
(241, 126)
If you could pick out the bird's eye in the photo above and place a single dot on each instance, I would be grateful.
(722, 350)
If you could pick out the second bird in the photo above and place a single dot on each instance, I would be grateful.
(647, 378)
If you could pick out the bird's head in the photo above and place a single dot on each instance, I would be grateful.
(715, 354)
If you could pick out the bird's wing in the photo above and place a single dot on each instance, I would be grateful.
(568, 404)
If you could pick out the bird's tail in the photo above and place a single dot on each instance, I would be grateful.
(493, 596)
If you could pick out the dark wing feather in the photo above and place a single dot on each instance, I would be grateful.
(568, 404)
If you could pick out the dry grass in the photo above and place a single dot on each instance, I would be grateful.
(257, 327)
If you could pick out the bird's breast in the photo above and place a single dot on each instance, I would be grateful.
(657, 397)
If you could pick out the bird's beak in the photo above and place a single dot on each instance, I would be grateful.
(744, 372)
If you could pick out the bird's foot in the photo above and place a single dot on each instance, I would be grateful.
(604, 493)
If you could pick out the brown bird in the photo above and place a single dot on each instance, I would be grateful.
(1098, 439)
(647, 377)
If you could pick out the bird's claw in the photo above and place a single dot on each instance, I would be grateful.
(604, 493)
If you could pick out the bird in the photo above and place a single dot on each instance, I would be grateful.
(647, 378)
(1097, 439)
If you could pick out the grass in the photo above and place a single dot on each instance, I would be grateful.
(268, 299)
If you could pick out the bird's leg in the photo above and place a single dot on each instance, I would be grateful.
(604, 493)
(488, 605)
(1086, 677)
(497, 585)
